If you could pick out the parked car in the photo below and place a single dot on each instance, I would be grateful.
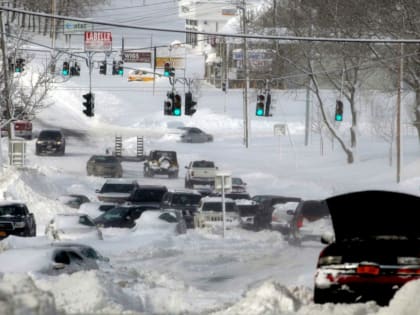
(283, 216)
(73, 200)
(104, 165)
(186, 201)
(50, 142)
(22, 129)
(263, 219)
(116, 190)
(375, 248)
(247, 210)
(148, 195)
(161, 162)
(238, 185)
(122, 216)
(311, 220)
(200, 173)
(195, 135)
(54, 259)
(15, 219)
(69, 226)
(210, 212)
(140, 75)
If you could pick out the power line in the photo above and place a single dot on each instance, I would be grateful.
(276, 37)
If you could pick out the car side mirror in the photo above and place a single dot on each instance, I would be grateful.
(58, 266)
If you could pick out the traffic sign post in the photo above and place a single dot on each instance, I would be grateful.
(222, 183)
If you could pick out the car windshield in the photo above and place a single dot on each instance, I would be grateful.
(49, 135)
(12, 210)
(186, 199)
(217, 206)
(237, 181)
(117, 188)
(247, 210)
(156, 155)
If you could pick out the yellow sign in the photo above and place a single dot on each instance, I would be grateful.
(176, 62)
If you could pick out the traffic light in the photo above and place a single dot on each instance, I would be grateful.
(339, 110)
(224, 87)
(189, 104)
(75, 69)
(176, 108)
(89, 104)
(66, 69)
(120, 67)
(20, 63)
(260, 105)
(167, 105)
(114, 68)
(168, 70)
(102, 67)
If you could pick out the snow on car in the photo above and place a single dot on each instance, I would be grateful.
(70, 226)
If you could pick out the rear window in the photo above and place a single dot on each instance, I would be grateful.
(217, 206)
(12, 210)
(148, 195)
(106, 159)
(118, 188)
(186, 199)
(247, 210)
(168, 154)
(203, 164)
(314, 209)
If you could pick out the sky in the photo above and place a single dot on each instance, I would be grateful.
(152, 270)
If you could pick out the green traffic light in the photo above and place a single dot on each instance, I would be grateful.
(120, 72)
(166, 73)
(339, 117)
(260, 112)
(177, 112)
(17, 70)
(65, 72)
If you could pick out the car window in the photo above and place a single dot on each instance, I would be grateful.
(61, 257)
(313, 209)
(85, 220)
(53, 135)
(89, 253)
(203, 164)
(168, 217)
(247, 210)
(116, 213)
(186, 199)
(148, 195)
(237, 181)
(217, 206)
(106, 159)
(12, 210)
(74, 257)
(118, 188)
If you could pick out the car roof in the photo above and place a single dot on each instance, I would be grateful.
(121, 181)
(12, 202)
(151, 187)
(184, 191)
(216, 199)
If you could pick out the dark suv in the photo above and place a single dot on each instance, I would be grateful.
(186, 201)
(50, 142)
(15, 219)
(148, 195)
(161, 163)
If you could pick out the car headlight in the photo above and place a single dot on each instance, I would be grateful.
(39, 142)
(330, 260)
(19, 225)
(58, 142)
(408, 260)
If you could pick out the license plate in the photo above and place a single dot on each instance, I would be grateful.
(3, 233)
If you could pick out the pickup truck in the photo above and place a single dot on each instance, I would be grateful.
(200, 173)
(23, 129)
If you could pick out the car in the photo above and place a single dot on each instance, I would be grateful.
(200, 172)
(185, 200)
(375, 248)
(283, 217)
(122, 216)
(140, 75)
(161, 162)
(53, 259)
(68, 226)
(195, 135)
(73, 200)
(50, 142)
(148, 195)
(247, 210)
(104, 165)
(238, 185)
(210, 213)
(15, 219)
(116, 190)
(311, 219)
(22, 129)
(264, 218)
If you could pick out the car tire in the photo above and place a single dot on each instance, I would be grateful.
(322, 296)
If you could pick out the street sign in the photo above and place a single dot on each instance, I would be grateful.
(73, 27)
(137, 56)
(98, 41)
(280, 129)
(176, 62)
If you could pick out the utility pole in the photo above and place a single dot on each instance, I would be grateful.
(245, 66)
(398, 136)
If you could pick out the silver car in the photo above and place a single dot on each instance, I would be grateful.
(195, 135)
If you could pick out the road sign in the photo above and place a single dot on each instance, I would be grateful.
(279, 129)
(137, 56)
(73, 27)
(98, 41)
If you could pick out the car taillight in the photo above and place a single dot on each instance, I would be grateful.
(368, 270)
(408, 271)
(299, 222)
(329, 260)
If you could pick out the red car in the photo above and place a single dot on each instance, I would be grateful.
(23, 129)
(376, 249)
